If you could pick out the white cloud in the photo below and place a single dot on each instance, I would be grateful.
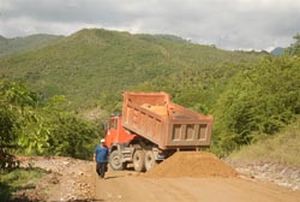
(231, 24)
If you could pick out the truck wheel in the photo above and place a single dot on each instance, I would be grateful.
(115, 160)
(150, 161)
(139, 160)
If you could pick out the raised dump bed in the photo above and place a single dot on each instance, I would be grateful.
(168, 125)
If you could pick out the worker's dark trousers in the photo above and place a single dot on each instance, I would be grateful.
(101, 169)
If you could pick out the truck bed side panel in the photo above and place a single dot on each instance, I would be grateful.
(154, 117)
(144, 123)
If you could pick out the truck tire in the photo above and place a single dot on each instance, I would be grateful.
(150, 161)
(115, 160)
(139, 160)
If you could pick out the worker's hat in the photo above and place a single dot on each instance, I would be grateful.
(102, 140)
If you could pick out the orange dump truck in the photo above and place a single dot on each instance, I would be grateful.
(151, 128)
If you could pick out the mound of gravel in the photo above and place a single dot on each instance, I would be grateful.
(192, 164)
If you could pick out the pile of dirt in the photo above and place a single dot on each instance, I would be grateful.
(157, 109)
(192, 164)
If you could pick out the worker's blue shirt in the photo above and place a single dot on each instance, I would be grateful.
(101, 154)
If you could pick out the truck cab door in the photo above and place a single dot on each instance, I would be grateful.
(112, 131)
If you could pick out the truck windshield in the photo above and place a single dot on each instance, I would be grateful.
(113, 123)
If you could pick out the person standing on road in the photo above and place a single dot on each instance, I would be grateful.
(101, 158)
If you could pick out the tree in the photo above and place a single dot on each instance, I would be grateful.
(260, 100)
(14, 98)
(294, 48)
(31, 125)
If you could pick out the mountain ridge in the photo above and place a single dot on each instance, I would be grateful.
(95, 62)
(22, 44)
(278, 51)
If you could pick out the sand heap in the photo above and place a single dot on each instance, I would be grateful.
(192, 164)
(157, 109)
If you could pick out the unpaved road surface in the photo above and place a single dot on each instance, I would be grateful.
(126, 186)
(76, 180)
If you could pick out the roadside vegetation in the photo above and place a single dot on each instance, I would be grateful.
(282, 148)
(17, 180)
(31, 125)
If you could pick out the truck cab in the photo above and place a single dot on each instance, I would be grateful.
(119, 142)
(116, 133)
(125, 147)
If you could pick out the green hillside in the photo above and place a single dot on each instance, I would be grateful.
(277, 51)
(95, 64)
(21, 44)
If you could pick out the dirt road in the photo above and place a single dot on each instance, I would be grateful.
(76, 180)
(126, 186)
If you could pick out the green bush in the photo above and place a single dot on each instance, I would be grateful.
(73, 137)
(18, 179)
(260, 100)
(13, 99)
(281, 148)
(32, 126)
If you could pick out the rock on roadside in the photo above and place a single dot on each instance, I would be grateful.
(279, 174)
(69, 179)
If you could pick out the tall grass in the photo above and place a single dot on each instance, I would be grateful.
(283, 147)
(18, 179)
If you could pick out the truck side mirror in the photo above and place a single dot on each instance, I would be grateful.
(104, 126)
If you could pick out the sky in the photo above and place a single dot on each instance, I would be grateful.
(228, 24)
